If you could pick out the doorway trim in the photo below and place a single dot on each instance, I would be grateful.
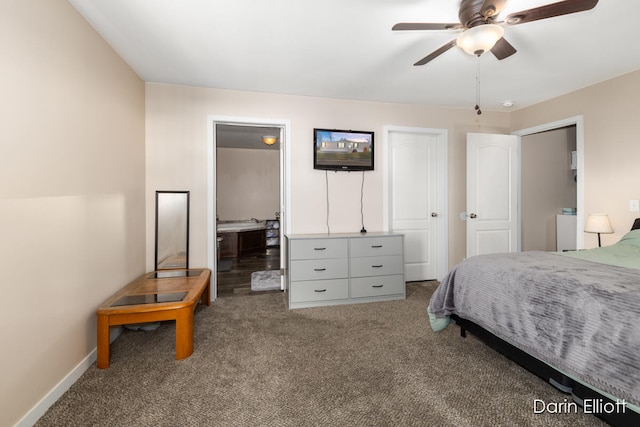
(285, 182)
(442, 135)
(578, 121)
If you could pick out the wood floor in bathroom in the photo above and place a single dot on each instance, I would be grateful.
(237, 281)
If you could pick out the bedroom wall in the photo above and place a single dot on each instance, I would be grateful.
(72, 215)
(176, 152)
(611, 148)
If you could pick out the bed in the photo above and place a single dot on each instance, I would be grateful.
(572, 318)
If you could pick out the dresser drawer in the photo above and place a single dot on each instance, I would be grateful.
(319, 290)
(319, 248)
(376, 246)
(376, 266)
(319, 269)
(362, 287)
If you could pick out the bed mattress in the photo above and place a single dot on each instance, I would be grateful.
(580, 316)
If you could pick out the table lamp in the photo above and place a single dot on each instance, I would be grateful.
(598, 223)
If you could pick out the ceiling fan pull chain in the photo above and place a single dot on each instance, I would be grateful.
(477, 108)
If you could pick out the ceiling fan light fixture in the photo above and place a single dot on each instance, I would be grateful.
(480, 39)
(269, 139)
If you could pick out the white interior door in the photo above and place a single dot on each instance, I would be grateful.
(415, 208)
(492, 193)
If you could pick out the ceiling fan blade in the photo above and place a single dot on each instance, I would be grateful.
(503, 49)
(436, 53)
(491, 8)
(413, 26)
(549, 11)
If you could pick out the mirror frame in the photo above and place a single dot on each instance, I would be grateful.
(160, 234)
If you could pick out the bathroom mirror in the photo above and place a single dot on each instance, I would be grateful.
(172, 230)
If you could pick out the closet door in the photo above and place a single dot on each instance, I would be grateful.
(415, 199)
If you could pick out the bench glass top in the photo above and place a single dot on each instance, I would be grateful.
(162, 274)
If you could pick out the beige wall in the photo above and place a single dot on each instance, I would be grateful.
(177, 150)
(248, 183)
(547, 185)
(72, 195)
(611, 148)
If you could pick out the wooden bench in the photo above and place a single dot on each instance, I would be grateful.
(153, 297)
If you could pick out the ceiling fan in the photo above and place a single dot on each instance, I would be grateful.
(481, 30)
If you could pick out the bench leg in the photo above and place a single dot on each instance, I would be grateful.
(184, 333)
(103, 342)
(206, 295)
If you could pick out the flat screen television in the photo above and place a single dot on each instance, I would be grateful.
(343, 150)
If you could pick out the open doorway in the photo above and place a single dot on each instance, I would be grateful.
(247, 209)
(247, 216)
(549, 185)
(552, 186)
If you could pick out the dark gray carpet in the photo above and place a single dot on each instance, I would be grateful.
(258, 364)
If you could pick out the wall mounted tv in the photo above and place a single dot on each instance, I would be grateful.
(342, 150)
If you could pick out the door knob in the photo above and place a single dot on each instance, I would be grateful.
(473, 215)
(434, 214)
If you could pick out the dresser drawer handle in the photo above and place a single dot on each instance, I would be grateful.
(319, 269)
(319, 249)
(376, 246)
(376, 266)
(319, 290)
(377, 286)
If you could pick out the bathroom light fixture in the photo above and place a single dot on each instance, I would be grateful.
(598, 223)
(480, 39)
(269, 139)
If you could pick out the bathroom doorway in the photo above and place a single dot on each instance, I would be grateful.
(247, 192)
(548, 179)
(564, 210)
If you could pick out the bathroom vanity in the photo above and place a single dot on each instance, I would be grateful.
(345, 268)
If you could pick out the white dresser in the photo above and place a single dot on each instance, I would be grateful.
(329, 269)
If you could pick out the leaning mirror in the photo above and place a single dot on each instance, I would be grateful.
(172, 230)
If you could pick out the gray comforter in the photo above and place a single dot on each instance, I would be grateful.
(581, 317)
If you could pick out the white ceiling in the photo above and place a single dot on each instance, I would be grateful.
(346, 49)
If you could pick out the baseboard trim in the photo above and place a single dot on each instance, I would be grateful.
(59, 389)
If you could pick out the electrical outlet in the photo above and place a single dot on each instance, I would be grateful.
(634, 205)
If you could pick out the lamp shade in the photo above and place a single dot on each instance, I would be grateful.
(269, 139)
(598, 223)
(480, 39)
